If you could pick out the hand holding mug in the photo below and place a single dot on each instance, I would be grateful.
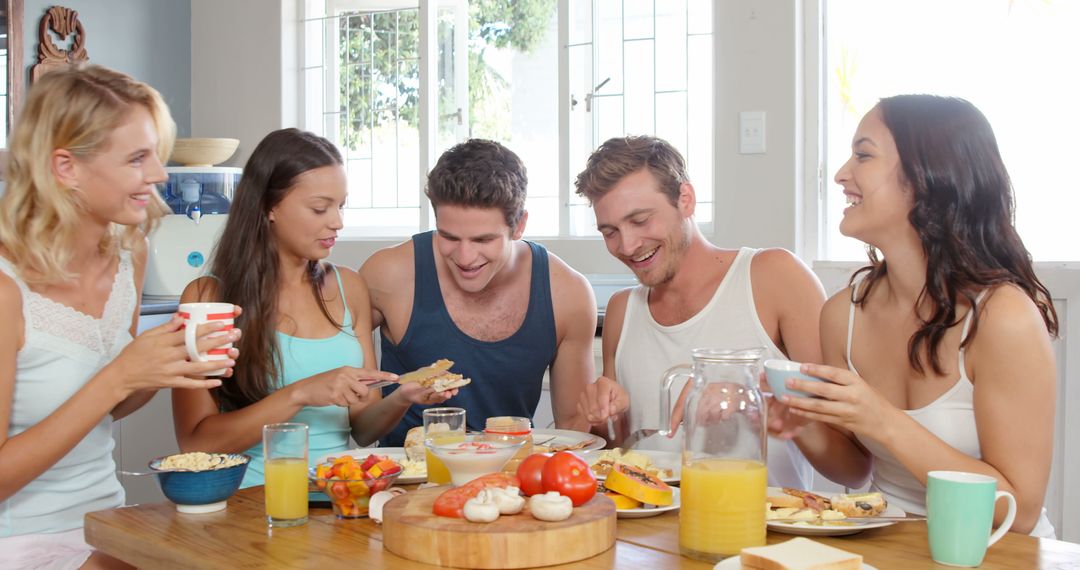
(197, 314)
(158, 358)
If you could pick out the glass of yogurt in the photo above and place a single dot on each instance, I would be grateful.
(479, 454)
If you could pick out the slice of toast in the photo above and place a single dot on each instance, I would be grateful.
(799, 554)
(435, 369)
(436, 376)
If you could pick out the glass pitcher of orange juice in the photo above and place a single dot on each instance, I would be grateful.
(723, 460)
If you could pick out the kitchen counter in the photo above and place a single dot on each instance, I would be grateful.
(158, 305)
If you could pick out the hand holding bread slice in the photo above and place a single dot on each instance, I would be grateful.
(436, 376)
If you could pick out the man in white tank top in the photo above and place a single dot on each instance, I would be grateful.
(692, 294)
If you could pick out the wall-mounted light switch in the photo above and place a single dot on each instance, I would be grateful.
(752, 132)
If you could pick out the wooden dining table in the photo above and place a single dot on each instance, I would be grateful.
(157, 536)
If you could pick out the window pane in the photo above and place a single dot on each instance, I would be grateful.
(998, 55)
(640, 89)
(580, 20)
(637, 19)
(671, 45)
(609, 45)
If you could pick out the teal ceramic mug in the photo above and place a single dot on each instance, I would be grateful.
(960, 513)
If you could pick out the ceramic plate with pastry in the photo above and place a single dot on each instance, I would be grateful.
(551, 440)
(821, 512)
(665, 465)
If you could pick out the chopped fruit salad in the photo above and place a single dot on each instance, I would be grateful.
(350, 482)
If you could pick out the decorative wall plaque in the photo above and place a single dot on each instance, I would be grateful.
(63, 22)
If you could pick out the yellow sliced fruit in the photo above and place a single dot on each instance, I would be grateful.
(622, 502)
(638, 485)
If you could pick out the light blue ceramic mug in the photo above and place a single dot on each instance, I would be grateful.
(777, 371)
(960, 513)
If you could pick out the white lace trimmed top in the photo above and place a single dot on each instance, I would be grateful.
(62, 350)
(951, 418)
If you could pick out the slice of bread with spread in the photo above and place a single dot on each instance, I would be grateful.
(860, 504)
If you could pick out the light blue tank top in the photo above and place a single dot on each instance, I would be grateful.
(328, 426)
(62, 350)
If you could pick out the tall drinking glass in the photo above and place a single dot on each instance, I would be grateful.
(441, 426)
(285, 449)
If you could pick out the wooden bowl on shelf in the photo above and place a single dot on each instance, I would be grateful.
(203, 151)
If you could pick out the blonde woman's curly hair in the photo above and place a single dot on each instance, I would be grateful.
(75, 109)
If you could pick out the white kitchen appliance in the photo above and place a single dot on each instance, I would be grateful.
(180, 248)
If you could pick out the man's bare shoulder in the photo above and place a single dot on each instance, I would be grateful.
(778, 271)
(389, 265)
(567, 284)
(777, 261)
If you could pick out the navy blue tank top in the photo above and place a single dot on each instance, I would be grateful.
(507, 375)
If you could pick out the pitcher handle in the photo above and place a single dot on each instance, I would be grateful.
(672, 374)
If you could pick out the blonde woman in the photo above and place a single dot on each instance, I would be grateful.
(85, 155)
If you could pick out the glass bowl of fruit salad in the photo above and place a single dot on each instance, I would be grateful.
(350, 482)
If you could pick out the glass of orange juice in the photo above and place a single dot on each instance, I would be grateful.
(442, 425)
(285, 449)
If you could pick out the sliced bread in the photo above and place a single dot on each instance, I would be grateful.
(799, 554)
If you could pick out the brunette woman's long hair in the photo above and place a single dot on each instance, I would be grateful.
(963, 214)
(245, 262)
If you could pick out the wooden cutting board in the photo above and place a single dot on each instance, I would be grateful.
(411, 531)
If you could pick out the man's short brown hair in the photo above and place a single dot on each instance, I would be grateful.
(479, 173)
(619, 157)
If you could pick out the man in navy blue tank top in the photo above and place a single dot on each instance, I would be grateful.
(504, 310)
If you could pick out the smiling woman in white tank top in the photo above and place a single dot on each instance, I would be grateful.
(941, 349)
(86, 153)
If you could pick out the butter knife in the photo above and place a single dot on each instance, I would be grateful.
(818, 522)
(637, 436)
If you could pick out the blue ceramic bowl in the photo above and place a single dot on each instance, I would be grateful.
(201, 491)
(777, 372)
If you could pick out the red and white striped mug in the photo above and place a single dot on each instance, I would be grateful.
(195, 314)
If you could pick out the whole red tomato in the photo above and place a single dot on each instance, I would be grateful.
(530, 471)
(569, 475)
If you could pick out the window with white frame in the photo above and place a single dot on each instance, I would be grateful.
(630, 67)
(1005, 56)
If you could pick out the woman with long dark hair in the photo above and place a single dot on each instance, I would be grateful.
(940, 348)
(306, 354)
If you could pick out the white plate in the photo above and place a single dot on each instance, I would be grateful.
(825, 530)
(642, 513)
(733, 563)
(395, 453)
(670, 460)
(567, 437)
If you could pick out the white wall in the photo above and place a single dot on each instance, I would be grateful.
(147, 39)
(244, 64)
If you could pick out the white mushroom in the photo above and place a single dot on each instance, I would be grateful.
(378, 500)
(551, 507)
(481, 508)
(509, 499)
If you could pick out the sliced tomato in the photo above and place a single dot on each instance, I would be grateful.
(569, 475)
(531, 471)
(494, 480)
(452, 503)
